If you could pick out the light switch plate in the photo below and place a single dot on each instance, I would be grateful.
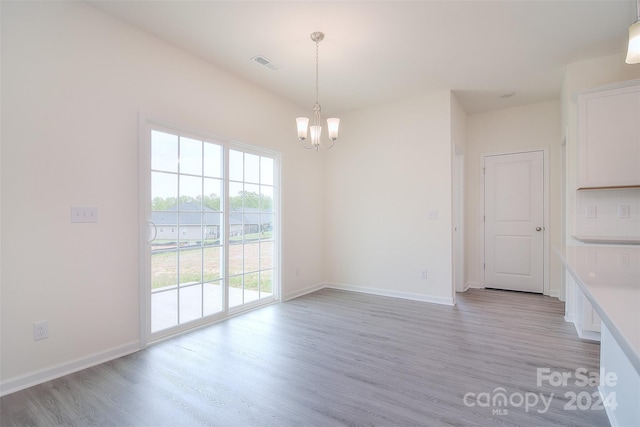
(84, 214)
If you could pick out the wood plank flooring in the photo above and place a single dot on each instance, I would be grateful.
(336, 358)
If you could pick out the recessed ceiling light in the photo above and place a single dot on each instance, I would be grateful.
(507, 95)
(266, 62)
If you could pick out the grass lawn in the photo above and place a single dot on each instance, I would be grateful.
(251, 262)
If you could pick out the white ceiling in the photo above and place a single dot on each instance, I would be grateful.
(379, 51)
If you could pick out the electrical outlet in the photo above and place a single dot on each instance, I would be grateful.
(40, 330)
(623, 259)
(623, 211)
(423, 275)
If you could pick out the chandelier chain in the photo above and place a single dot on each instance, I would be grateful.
(317, 71)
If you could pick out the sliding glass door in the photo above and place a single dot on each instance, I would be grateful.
(212, 216)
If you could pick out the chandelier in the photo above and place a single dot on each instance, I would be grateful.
(316, 126)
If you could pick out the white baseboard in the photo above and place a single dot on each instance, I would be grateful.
(21, 382)
(476, 285)
(388, 293)
(587, 335)
(303, 291)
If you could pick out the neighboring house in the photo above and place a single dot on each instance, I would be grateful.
(192, 223)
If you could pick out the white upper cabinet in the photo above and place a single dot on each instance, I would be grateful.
(609, 136)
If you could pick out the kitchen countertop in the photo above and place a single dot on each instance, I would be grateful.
(617, 240)
(609, 276)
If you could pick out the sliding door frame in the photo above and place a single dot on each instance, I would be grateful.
(147, 123)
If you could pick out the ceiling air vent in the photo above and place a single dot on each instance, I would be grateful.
(266, 62)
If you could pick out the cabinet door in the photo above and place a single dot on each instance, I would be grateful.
(609, 138)
(591, 318)
(586, 320)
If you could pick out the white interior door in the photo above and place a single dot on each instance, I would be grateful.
(514, 221)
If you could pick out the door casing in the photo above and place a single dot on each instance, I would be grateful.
(546, 212)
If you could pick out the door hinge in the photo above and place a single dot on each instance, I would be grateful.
(484, 266)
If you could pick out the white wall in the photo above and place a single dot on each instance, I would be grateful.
(512, 129)
(73, 82)
(392, 166)
(607, 223)
(458, 126)
(583, 75)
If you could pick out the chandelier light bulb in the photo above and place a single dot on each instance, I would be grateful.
(302, 123)
(316, 131)
(332, 127)
(633, 54)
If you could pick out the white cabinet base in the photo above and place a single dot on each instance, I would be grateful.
(580, 312)
(620, 396)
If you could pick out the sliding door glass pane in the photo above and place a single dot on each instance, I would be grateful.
(236, 165)
(251, 292)
(266, 255)
(164, 151)
(212, 264)
(212, 297)
(164, 269)
(251, 195)
(251, 168)
(251, 257)
(212, 194)
(190, 303)
(266, 283)
(190, 156)
(190, 193)
(190, 266)
(212, 160)
(236, 291)
(186, 266)
(266, 170)
(164, 310)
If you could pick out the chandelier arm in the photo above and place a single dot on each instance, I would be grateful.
(330, 146)
(310, 147)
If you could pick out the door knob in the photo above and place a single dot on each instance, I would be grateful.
(538, 228)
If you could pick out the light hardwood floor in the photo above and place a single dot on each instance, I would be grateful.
(336, 358)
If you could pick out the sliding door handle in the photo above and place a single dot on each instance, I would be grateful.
(155, 232)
